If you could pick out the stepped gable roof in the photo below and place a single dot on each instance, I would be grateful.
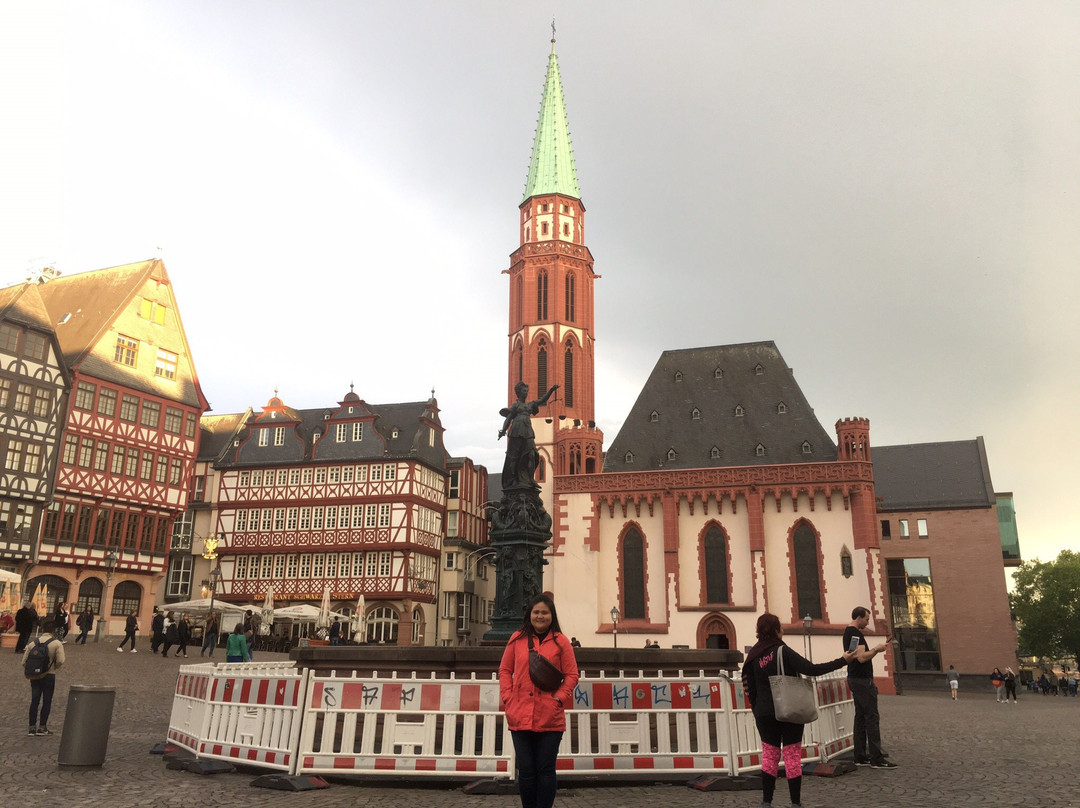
(928, 476)
(217, 433)
(551, 167)
(744, 396)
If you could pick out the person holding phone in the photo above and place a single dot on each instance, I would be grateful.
(867, 724)
(779, 739)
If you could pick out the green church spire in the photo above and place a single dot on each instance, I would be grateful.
(551, 169)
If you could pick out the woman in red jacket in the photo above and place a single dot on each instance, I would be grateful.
(536, 718)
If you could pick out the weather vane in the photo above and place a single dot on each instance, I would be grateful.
(552, 29)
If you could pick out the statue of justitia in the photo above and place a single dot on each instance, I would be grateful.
(519, 468)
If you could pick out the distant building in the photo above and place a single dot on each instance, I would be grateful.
(350, 498)
(34, 385)
(943, 544)
(129, 439)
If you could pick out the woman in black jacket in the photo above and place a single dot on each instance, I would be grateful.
(761, 663)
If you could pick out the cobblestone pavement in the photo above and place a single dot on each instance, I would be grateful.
(973, 752)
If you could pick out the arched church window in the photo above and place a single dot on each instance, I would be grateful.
(716, 576)
(571, 303)
(633, 576)
(541, 369)
(845, 563)
(541, 295)
(807, 582)
(568, 374)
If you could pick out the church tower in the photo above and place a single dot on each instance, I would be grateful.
(551, 297)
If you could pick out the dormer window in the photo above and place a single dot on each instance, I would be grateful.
(759, 450)
(394, 433)
(695, 414)
(807, 448)
(678, 375)
(654, 416)
(781, 408)
(759, 370)
(714, 453)
(264, 437)
(718, 374)
(671, 455)
(739, 411)
(629, 457)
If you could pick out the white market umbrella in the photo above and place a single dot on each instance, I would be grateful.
(268, 611)
(359, 622)
(199, 607)
(324, 618)
(302, 613)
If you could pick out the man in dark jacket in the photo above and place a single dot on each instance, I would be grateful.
(25, 620)
(157, 630)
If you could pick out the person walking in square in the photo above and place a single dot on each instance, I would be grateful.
(85, 623)
(43, 685)
(953, 679)
(210, 634)
(157, 630)
(131, 625)
(236, 648)
(183, 634)
(25, 620)
(867, 723)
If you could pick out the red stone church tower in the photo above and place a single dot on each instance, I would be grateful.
(551, 298)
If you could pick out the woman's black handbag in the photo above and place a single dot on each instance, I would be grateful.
(542, 671)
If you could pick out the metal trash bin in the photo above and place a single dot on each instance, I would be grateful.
(86, 725)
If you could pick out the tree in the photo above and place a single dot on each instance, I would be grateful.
(1046, 604)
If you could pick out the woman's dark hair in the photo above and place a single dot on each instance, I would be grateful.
(545, 598)
(768, 627)
(238, 629)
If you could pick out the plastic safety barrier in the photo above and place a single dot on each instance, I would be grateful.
(279, 717)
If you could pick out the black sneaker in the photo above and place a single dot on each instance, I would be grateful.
(862, 761)
(43, 731)
(32, 732)
(882, 764)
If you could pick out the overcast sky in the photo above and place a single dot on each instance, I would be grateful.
(890, 192)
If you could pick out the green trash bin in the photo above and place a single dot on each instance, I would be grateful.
(86, 725)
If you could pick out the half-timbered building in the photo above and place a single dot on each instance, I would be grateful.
(350, 499)
(34, 384)
(129, 439)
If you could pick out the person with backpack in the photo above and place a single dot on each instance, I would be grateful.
(41, 659)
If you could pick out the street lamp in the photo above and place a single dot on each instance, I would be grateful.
(615, 624)
(807, 622)
(110, 564)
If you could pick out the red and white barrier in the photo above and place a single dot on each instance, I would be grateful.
(251, 713)
(278, 717)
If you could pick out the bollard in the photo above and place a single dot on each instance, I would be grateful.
(86, 725)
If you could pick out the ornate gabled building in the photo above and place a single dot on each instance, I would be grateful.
(351, 498)
(130, 434)
(34, 385)
(721, 497)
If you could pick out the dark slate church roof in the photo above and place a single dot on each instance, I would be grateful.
(713, 407)
(925, 476)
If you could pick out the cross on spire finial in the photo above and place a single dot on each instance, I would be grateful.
(553, 29)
